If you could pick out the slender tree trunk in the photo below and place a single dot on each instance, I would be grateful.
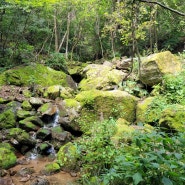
(67, 35)
(56, 30)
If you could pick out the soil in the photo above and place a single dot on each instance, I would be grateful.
(14, 176)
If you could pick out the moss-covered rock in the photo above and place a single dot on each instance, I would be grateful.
(28, 125)
(7, 119)
(51, 168)
(55, 91)
(35, 120)
(173, 118)
(22, 114)
(43, 134)
(35, 74)
(155, 66)
(7, 158)
(100, 105)
(26, 105)
(100, 77)
(67, 157)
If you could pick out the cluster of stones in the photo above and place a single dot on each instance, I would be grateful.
(98, 97)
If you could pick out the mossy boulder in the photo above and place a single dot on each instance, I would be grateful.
(43, 134)
(173, 118)
(7, 158)
(21, 136)
(28, 125)
(67, 157)
(155, 66)
(50, 168)
(35, 74)
(99, 105)
(100, 77)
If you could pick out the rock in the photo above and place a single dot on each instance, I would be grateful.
(7, 119)
(6, 181)
(28, 125)
(20, 135)
(39, 181)
(35, 120)
(35, 74)
(7, 158)
(100, 77)
(142, 113)
(22, 114)
(26, 105)
(43, 134)
(155, 66)
(67, 157)
(24, 172)
(51, 168)
(36, 102)
(173, 118)
(100, 105)
(55, 91)
(44, 148)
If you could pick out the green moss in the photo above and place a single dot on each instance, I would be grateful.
(71, 103)
(67, 157)
(99, 105)
(173, 118)
(28, 125)
(7, 158)
(23, 113)
(33, 74)
(7, 119)
(17, 133)
(100, 77)
(26, 105)
(45, 107)
(51, 168)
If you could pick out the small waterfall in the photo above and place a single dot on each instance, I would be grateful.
(34, 154)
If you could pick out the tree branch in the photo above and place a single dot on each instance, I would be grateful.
(163, 6)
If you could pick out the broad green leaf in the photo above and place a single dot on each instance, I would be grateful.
(166, 181)
(137, 177)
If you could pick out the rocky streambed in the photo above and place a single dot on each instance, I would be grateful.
(43, 111)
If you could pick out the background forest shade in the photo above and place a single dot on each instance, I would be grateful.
(85, 30)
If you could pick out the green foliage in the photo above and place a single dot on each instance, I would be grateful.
(56, 61)
(151, 158)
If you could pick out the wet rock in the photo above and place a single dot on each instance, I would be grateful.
(28, 125)
(44, 148)
(43, 134)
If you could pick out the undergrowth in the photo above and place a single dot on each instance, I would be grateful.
(150, 158)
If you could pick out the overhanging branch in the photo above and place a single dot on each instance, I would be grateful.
(163, 6)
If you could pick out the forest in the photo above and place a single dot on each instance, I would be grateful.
(87, 30)
(92, 92)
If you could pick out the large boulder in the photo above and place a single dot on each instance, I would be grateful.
(155, 66)
(35, 74)
(99, 105)
(101, 77)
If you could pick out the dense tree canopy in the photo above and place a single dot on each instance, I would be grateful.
(87, 29)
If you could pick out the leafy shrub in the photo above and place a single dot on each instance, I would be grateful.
(150, 159)
(56, 61)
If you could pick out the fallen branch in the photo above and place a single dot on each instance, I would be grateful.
(163, 6)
